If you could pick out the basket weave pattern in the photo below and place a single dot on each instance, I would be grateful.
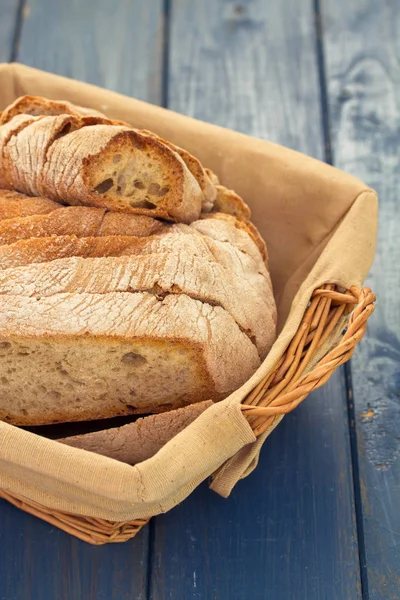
(282, 390)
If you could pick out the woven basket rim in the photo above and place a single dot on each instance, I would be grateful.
(280, 391)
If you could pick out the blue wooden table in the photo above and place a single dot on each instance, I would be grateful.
(320, 517)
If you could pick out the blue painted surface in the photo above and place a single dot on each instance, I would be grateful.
(40, 562)
(288, 532)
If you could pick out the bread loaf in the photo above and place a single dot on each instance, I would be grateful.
(138, 441)
(73, 357)
(248, 301)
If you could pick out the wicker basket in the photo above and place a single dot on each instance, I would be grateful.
(284, 388)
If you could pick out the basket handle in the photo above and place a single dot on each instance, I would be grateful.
(286, 386)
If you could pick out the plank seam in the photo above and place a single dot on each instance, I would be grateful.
(329, 158)
(320, 53)
(150, 558)
(165, 58)
(17, 31)
(356, 483)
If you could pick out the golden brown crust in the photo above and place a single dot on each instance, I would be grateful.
(244, 225)
(14, 204)
(81, 221)
(36, 250)
(36, 106)
(229, 202)
(195, 167)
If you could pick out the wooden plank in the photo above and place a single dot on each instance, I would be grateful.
(363, 72)
(288, 531)
(117, 45)
(8, 22)
(38, 561)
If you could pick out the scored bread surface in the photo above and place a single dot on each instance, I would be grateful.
(76, 220)
(250, 303)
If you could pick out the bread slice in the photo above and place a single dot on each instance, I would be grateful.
(249, 302)
(229, 202)
(138, 441)
(7, 131)
(73, 357)
(103, 165)
(195, 167)
(14, 204)
(81, 221)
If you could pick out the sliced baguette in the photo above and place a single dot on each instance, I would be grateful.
(249, 302)
(36, 106)
(14, 204)
(138, 441)
(81, 221)
(75, 357)
(102, 165)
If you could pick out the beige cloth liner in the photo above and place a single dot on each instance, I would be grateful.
(320, 226)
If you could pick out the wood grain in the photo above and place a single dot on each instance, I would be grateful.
(288, 531)
(117, 45)
(363, 71)
(8, 22)
(40, 562)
